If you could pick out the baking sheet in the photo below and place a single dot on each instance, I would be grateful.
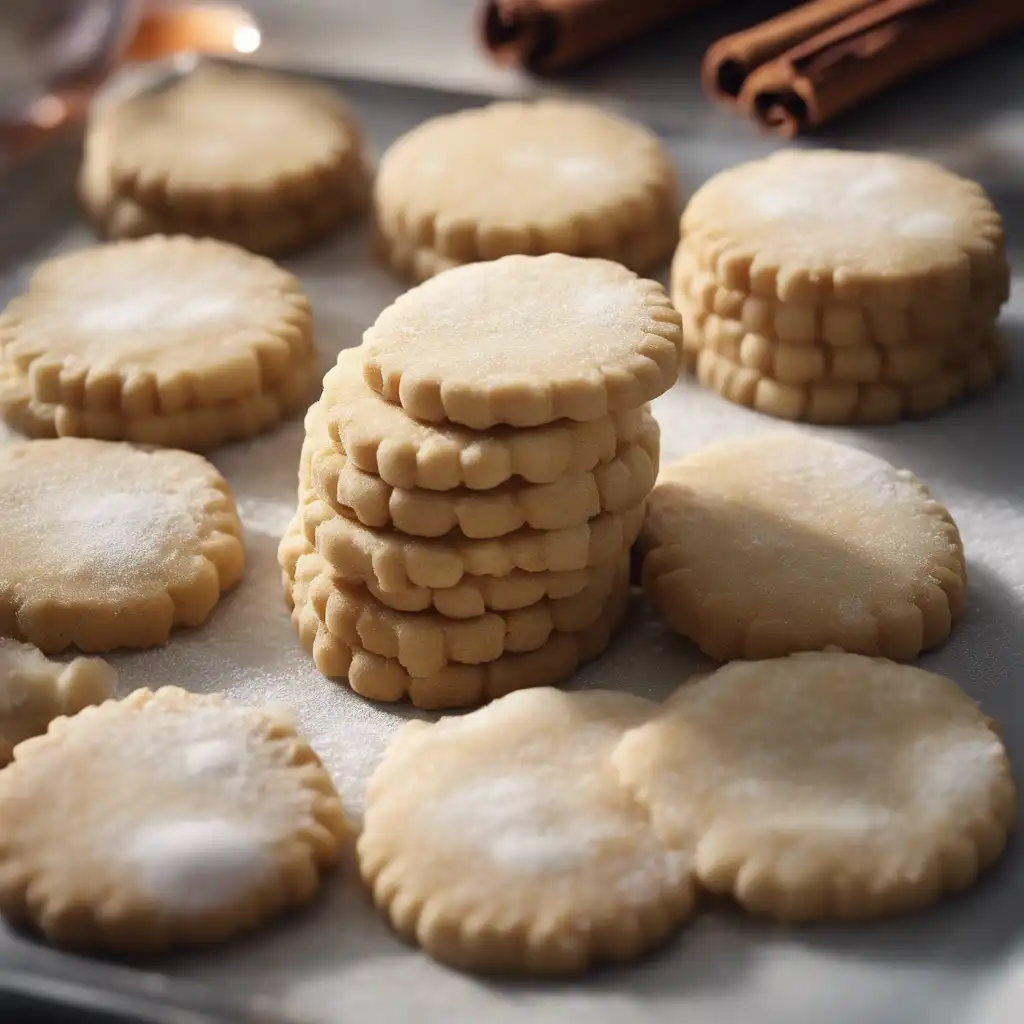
(962, 963)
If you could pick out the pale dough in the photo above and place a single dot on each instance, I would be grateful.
(810, 226)
(613, 486)
(34, 690)
(783, 542)
(825, 785)
(106, 545)
(548, 176)
(525, 340)
(156, 326)
(192, 820)
(380, 438)
(518, 851)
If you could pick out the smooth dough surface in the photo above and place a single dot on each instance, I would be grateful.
(453, 685)
(156, 326)
(34, 690)
(537, 177)
(222, 141)
(784, 542)
(618, 484)
(518, 851)
(193, 819)
(808, 225)
(106, 545)
(825, 784)
(525, 340)
(381, 438)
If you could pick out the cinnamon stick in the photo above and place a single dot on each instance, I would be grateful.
(546, 36)
(799, 70)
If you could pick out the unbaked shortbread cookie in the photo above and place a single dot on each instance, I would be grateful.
(192, 820)
(783, 542)
(876, 229)
(395, 561)
(518, 851)
(471, 597)
(841, 402)
(34, 690)
(106, 545)
(424, 643)
(935, 321)
(613, 486)
(513, 178)
(197, 428)
(455, 685)
(525, 340)
(221, 144)
(156, 326)
(825, 785)
(381, 438)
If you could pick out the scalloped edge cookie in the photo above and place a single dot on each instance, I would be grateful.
(705, 513)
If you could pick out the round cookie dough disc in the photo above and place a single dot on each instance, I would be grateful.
(220, 142)
(155, 326)
(613, 486)
(825, 785)
(527, 178)
(105, 545)
(874, 228)
(454, 685)
(525, 340)
(783, 542)
(518, 852)
(192, 820)
(381, 438)
(473, 596)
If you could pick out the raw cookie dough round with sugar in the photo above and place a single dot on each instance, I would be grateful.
(471, 597)
(197, 428)
(381, 438)
(841, 402)
(825, 785)
(808, 226)
(105, 545)
(219, 142)
(34, 690)
(425, 642)
(525, 340)
(549, 176)
(454, 685)
(782, 542)
(519, 852)
(395, 561)
(614, 486)
(155, 326)
(193, 820)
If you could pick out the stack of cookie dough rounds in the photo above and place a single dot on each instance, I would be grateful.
(529, 178)
(171, 341)
(842, 287)
(257, 159)
(474, 476)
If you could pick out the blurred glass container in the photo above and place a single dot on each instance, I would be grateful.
(55, 53)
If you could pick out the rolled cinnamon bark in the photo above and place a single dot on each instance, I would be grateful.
(800, 70)
(546, 36)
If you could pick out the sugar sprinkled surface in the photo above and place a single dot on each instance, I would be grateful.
(197, 865)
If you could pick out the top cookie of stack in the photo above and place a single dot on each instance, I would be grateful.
(841, 287)
(253, 158)
(528, 178)
(474, 476)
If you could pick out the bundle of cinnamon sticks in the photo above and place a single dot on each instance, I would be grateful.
(791, 73)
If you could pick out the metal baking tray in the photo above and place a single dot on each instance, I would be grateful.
(337, 962)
